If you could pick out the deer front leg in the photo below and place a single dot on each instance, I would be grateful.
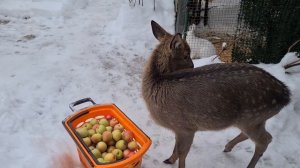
(182, 146)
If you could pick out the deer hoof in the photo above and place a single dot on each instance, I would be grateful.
(167, 161)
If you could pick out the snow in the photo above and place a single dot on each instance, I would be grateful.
(97, 49)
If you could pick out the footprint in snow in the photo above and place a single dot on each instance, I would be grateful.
(27, 38)
(4, 22)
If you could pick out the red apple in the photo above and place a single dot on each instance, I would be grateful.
(106, 136)
(109, 117)
(131, 153)
(127, 136)
(113, 122)
(95, 126)
(126, 153)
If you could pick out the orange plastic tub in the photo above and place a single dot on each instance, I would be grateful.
(85, 155)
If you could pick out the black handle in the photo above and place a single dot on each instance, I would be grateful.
(72, 105)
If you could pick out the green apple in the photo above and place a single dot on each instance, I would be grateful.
(87, 141)
(101, 129)
(106, 136)
(118, 153)
(96, 153)
(132, 145)
(91, 132)
(101, 146)
(117, 135)
(109, 128)
(96, 138)
(94, 121)
(88, 125)
(83, 132)
(101, 160)
(109, 157)
(104, 122)
(121, 144)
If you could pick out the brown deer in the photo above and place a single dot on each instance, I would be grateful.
(212, 97)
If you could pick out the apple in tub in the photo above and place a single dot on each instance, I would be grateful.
(107, 139)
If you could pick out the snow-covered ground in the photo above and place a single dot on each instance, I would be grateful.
(53, 52)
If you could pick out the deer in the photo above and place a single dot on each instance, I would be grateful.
(213, 97)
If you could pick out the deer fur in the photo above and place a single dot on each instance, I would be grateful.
(212, 97)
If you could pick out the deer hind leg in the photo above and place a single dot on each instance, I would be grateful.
(182, 146)
(172, 159)
(241, 137)
(261, 138)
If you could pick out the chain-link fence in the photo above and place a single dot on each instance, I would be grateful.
(254, 31)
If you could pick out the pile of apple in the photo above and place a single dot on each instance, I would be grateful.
(107, 139)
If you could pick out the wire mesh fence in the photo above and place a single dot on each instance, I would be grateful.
(266, 29)
(254, 31)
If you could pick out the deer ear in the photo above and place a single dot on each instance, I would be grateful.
(157, 30)
(176, 41)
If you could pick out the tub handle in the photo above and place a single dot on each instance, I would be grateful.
(88, 99)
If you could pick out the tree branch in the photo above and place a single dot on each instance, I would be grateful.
(293, 45)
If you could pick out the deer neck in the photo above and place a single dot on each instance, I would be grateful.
(153, 74)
